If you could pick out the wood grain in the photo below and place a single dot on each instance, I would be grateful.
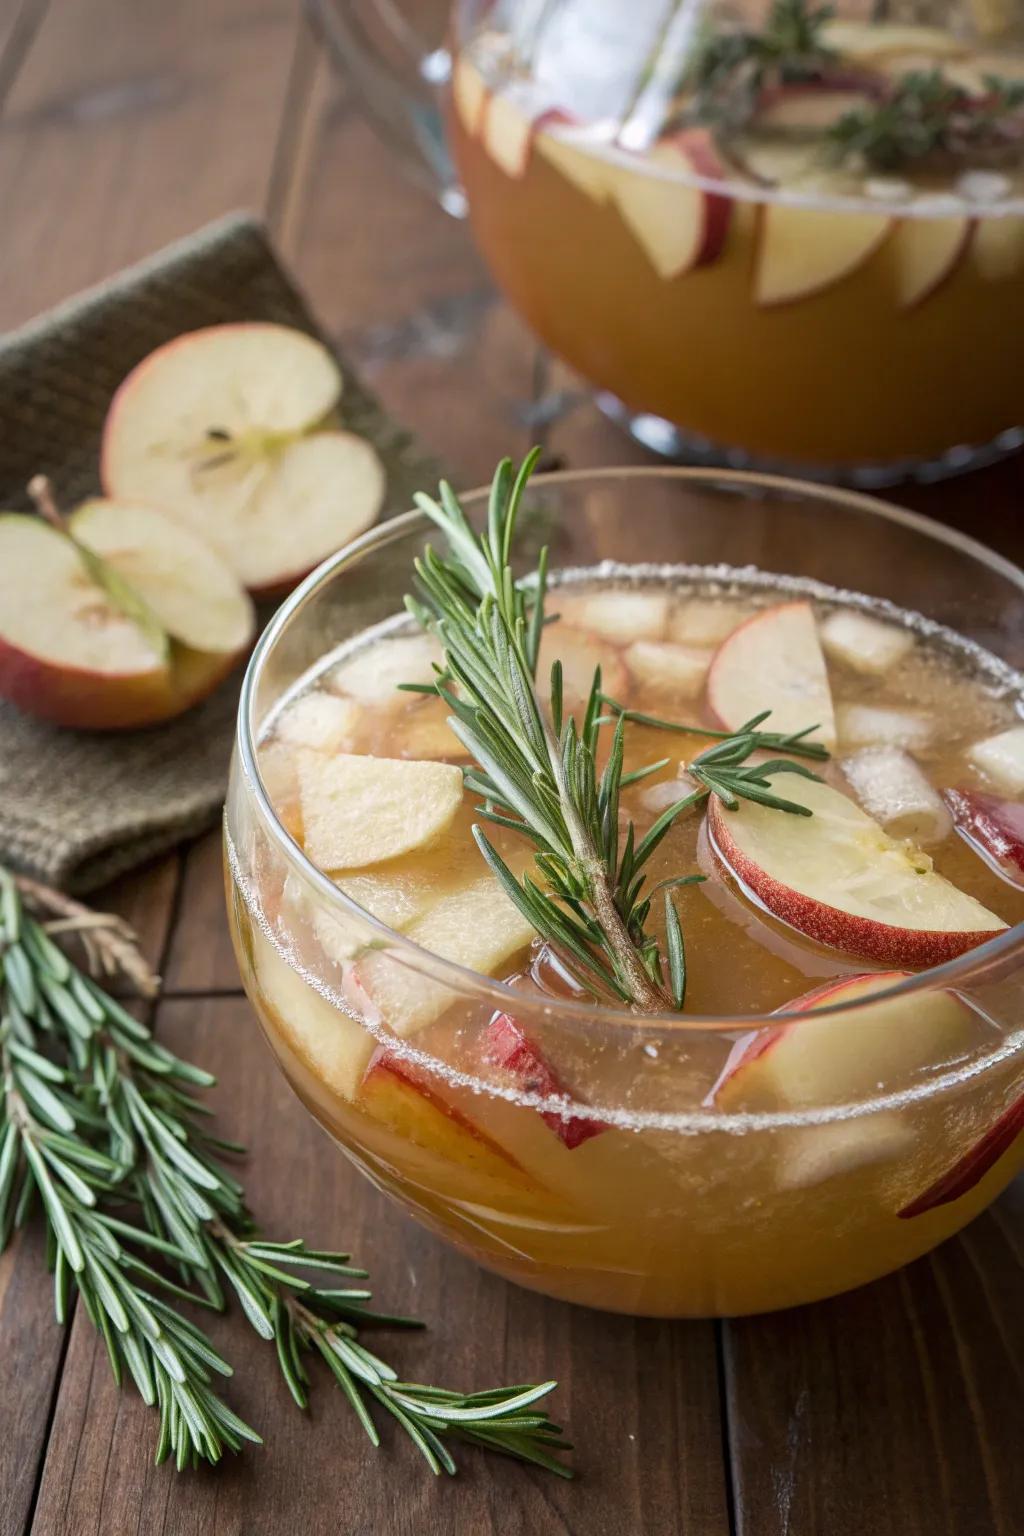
(641, 1397)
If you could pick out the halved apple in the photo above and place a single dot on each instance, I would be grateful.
(774, 661)
(507, 1046)
(842, 1057)
(924, 252)
(837, 877)
(679, 225)
(219, 430)
(400, 1095)
(969, 1169)
(802, 251)
(993, 827)
(359, 810)
(114, 620)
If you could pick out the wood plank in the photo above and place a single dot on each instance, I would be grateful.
(33, 1347)
(110, 149)
(20, 21)
(640, 1396)
(200, 958)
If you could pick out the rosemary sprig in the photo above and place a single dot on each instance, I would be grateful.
(732, 68)
(927, 117)
(536, 770)
(100, 1125)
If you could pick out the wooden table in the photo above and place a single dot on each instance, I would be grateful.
(898, 1409)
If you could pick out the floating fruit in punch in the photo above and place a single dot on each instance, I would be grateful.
(993, 826)
(507, 1046)
(228, 430)
(114, 618)
(774, 661)
(359, 810)
(893, 789)
(839, 878)
(969, 1169)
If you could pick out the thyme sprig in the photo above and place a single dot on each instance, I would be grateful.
(100, 1126)
(536, 770)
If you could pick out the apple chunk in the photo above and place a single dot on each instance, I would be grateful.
(837, 877)
(507, 1046)
(216, 429)
(971, 1168)
(331, 1043)
(359, 810)
(994, 827)
(1001, 759)
(802, 251)
(841, 1057)
(774, 661)
(864, 644)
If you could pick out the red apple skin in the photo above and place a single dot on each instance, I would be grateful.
(993, 826)
(102, 701)
(759, 1042)
(506, 1046)
(384, 1063)
(970, 1169)
(697, 148)
(883, 942)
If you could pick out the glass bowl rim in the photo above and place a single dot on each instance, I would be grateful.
(500, 994)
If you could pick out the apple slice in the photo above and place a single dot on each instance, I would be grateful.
(679, 225)
(864, 644)
(873, 40)
(191, 592)
(993, 827)
(670, 670)
(774, 661)
(475, 926)
(802, 251)
(575, 152)
(399, 1095)
(507, 1046)
(837, 877)
(997, 249)
(842, 1057)
(969, 1170)
(359, 810)
(707, 620)
(891, 788)
(375, 672)
(320, 721)
(883, 725)
(216, 429)
(1001, 759)
(817, 1153)
(333, 1045)
(924, 252)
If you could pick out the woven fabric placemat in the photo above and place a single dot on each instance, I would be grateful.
(78, 807)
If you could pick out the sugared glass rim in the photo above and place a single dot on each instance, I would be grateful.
(952, 974)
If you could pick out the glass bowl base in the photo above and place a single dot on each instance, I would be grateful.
(671, 442)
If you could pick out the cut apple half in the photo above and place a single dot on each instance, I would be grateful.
(774, 661)
(360, 810)
(678, 224)
(217, 429)
(837, 877)
(193, 594)
(507, 1047)
(993, 827)
(843, 1057)
(924, 252)
(969, 1170)
(803, 251)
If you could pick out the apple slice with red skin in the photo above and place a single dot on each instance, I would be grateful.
(971, 1168)
(680, 225)
(819, 1062)
(507, 1046)
(837, 877)
(774, 661)
(803, 251)
(398, 1094)
(994, 827)
(924, 253)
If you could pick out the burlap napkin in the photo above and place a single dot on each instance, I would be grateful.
(77, 808)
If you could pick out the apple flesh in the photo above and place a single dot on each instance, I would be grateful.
(1001, 759)
(993, 827)
(997, 250)
(775, 661)
(358, 810)
(803, 251)
(680, 225)
(620, 617)
(669, 670)
(925, 252)
(218, 430)
(837, 877)
(971, 1168)
(842, 1057)
(882, 725)
(507, 1047)
(331, 1043)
